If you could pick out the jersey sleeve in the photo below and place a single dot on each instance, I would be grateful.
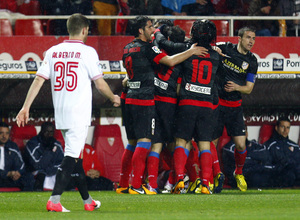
(155, 54)
(44, 69)
(94, 66)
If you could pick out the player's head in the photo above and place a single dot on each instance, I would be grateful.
(246, 37)
(203, 32)
(4, 133)
(142, 27)
(75, 25)
(176, 34)
(167, 24)
(283, 126)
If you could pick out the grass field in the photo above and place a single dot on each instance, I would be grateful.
(230, 204)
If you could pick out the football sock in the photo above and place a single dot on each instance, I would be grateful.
(152, 165)
(126, 166)
(240, 157)
(63, 175)
(80, 180)
(180, 157)
(215, 159)
(139, 162)
(89, 200)
(192, 165)
(206, 166)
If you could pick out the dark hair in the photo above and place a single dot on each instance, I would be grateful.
(76, 23)
(282, 118)
(176, 34)
(45, 125)
(244, 29)
(203, 32)
(136, 24)
(3, 124)
(160, 22)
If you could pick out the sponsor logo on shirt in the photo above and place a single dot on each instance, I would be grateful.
(230, 65)
(134, 85)
(156, 49)
(160, 84)
(198, 89)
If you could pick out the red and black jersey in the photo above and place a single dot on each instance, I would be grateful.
(198, 79)
(139, 58)
(236, 67)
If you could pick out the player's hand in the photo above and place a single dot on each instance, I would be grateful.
(116, 101)
(22, 117)
(199, 51)
(218, 49)
(231, 86)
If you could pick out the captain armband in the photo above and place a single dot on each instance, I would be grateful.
(251, 77)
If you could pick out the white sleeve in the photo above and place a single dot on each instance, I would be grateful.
(95, 70)
(44, 69)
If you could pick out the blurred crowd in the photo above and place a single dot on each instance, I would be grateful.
(161, 7)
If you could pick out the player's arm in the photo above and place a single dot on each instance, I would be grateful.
(23, 115)
(180, 57)
(246, 89)
(103, 87)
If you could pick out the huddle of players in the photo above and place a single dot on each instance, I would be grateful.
(165, 100)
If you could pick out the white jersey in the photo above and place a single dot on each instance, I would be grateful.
(71, 66)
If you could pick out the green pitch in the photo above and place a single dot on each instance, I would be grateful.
(230, 204)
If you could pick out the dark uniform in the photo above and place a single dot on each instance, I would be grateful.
(138, 58)
(238, 68)
(196, 97)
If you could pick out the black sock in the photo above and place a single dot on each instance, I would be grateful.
(63, 175)
(80, 180)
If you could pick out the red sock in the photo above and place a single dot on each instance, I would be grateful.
(172, 178)
(206, 166)
(152, 165)
(215, 164)
(180, 157)
(192, 166)
(240, 157)
(139, 162)
(126, 168)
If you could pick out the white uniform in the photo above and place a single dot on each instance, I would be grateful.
(71, 66)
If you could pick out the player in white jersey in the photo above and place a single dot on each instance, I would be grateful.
(70, 66)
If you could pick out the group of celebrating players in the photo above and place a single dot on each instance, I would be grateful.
(178, 91)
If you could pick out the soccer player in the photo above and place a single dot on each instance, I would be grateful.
(138, 58)
(194, 116)
(71, 66)
(239, 73)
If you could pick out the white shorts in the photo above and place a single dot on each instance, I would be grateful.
(74, 140)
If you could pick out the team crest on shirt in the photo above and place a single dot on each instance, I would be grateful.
(245, 65)
(156, 49)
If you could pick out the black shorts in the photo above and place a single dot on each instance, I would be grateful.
(164, 122)
(140, 122)
(232, 119)
(194, 121)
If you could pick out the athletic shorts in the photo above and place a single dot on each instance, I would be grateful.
(194, 121)
(74, 140)
(164, 122)
(140, 121)
(232, 119)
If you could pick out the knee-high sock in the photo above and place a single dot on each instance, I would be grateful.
(192, 165)
(139, 162)
(240, 157)
(152, 165)
(80, 180)
(63, 175)
(215, 163)
(206, 166)
(180, 156)
(126, 165)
